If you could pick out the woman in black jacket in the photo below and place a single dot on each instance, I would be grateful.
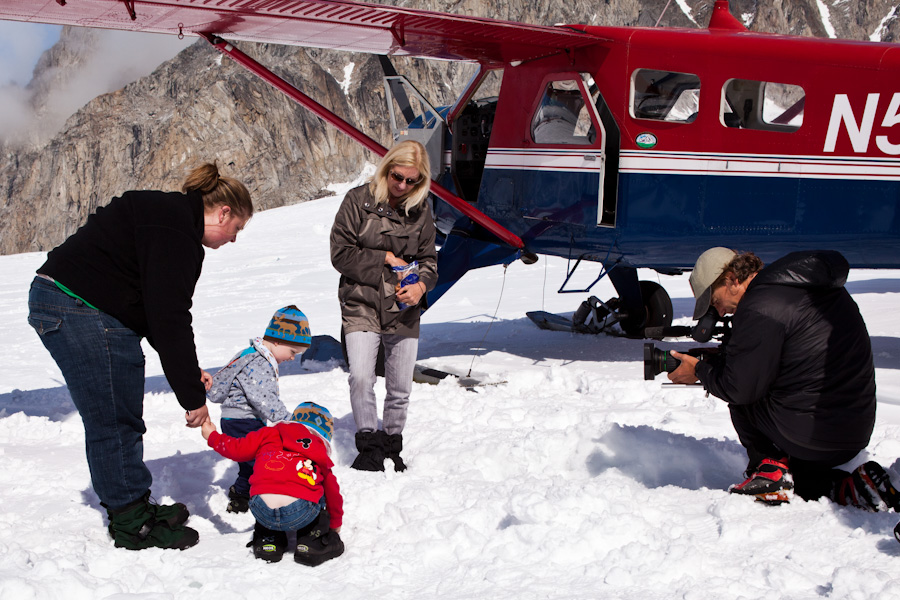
(129, 272)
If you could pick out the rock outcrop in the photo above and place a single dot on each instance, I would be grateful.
(200, 106)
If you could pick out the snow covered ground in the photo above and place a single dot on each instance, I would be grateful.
(574, 478)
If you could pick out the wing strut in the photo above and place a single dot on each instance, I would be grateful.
(226, 48)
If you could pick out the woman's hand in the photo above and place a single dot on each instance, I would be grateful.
(411, 294)
(196, 417)
(393, 261)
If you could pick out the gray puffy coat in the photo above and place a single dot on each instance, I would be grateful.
(247, 387)
(362, 233)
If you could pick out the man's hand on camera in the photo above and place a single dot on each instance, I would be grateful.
(685, 373)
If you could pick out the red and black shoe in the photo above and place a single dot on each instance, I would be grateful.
(771, 482)
(869, 487)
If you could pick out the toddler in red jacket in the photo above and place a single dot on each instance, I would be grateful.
(292, 487)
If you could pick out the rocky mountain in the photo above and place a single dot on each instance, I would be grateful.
(199, 106)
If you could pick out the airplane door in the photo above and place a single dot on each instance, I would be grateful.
(558, 174)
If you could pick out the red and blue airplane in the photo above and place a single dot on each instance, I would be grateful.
(629, 147)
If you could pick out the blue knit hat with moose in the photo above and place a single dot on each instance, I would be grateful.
(315, 417)
(289, 326)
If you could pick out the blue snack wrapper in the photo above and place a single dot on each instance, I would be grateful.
(407, 275)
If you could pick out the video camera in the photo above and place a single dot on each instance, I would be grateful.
(656, 361)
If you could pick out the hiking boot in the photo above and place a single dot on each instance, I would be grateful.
(267, 544)
(371, 451)
(393, 445)
(317, 542)
(237, 503)
(137, 527)
(869, 488)
(878, 478)
(770, 482)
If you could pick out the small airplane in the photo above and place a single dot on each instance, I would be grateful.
(623, 147)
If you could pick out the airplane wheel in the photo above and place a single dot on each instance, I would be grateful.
(657, 309)
(657, 304)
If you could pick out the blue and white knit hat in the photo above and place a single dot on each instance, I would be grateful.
(315, 417)
(289, 326)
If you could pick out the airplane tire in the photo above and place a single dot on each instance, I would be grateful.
(657, 309)
(657, 304)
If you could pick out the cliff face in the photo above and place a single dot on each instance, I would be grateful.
(200, 106)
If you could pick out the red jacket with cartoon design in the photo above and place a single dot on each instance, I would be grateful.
(290, 460)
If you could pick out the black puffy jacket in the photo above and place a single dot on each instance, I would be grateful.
(138, 259)
(800, 345)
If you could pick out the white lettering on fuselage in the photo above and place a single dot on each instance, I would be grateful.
(860, 132)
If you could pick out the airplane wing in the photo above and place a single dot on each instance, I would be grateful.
(332, 24)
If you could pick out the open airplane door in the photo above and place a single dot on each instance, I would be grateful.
(548, 157)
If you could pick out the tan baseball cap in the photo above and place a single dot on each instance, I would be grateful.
(709, 266)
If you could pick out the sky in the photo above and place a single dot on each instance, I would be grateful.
(565, 476)
(21, 44)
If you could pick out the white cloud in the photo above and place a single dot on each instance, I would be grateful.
(119, 58)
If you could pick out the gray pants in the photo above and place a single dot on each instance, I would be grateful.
(399, 363)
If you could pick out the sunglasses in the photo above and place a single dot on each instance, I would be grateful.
(409, 181)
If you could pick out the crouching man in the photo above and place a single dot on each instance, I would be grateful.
(797, 374)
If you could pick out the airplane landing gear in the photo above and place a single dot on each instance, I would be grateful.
(596, 316)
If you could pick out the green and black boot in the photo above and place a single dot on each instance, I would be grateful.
(172, 514)
(139, 526)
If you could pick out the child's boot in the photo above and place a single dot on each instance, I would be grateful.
(371, 451)
(268, 545)
(317, 542)
(393, 445)
(138, 526)
(237, 503)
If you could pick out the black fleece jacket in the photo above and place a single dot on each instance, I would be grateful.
(800, 344)
(138, 259)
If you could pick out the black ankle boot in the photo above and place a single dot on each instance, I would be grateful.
(393, 445)
(317, 542)
(237, 503)
(371, 451)
(268, 545)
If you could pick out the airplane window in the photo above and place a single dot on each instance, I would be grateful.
(563, 116)
(762, 105)
(664, 95)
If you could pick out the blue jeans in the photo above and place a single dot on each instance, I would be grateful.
(287, 518)
(103, 365)
(240, 428)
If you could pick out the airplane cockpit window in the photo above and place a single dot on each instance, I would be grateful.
(665, 95)
(762, 105)
(563, 116)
